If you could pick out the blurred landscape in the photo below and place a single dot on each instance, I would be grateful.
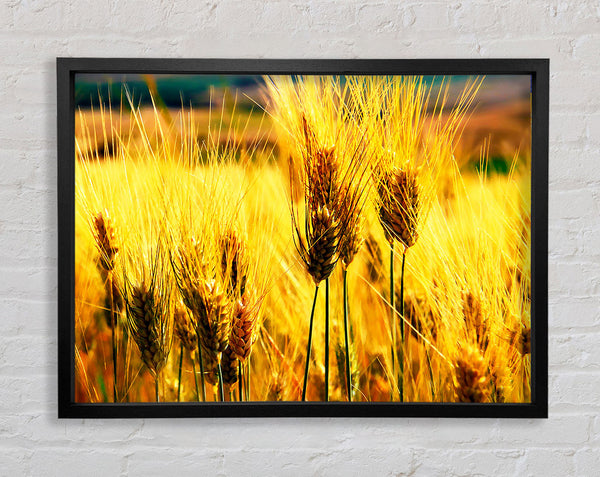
(501, 114)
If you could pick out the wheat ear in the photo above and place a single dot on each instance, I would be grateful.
(233, 263)
(213, 326)
(210, 306)
(148, 320)
(471, 379)
(230, 369)
(244, 325)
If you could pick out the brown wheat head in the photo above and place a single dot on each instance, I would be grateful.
(522, 339)
(206, 299)
(213, 322)
(471, 378)
(243, 326)
(323, 240)
(150, 325)
(229, 368)
(104, 234)
(233, 263)
(185, 329)
(351, 242)
(475, 320)
(398, 204)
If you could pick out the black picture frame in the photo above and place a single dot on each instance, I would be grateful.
(67, 68)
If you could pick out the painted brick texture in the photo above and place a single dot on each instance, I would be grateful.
(33, 442)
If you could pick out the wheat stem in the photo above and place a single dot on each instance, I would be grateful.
(327, 339)
(393, 317)
(156, 387)
(348, 375)
(427, 355)
(401, 360)
(202, 373)
(240, 381)
(113, 325)
(308, 347)
(125, 348)
(196, 380)
(180, 366)
(221, 390)
(248, 379)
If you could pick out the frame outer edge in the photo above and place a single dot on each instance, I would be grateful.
(66, 68)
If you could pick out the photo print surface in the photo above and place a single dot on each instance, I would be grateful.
(243, 238)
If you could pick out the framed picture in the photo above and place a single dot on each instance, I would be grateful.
(257, 238)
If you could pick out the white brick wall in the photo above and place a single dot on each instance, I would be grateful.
(33, 33)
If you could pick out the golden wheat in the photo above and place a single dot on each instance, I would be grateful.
(218, 205)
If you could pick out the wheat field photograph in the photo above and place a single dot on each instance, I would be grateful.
(302, 238)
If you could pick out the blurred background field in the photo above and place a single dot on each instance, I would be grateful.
(182, 156)
(503, 110)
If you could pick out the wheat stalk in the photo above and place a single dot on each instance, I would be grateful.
(213, 324)
(328, 162)
(185, 331)
(413, 146)
(105, 242)
(309, 344)
(318, 243)
(342, 362)
(350, 246)
(209, 304)
(331, 223)
(399, 208)
(347, 337)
